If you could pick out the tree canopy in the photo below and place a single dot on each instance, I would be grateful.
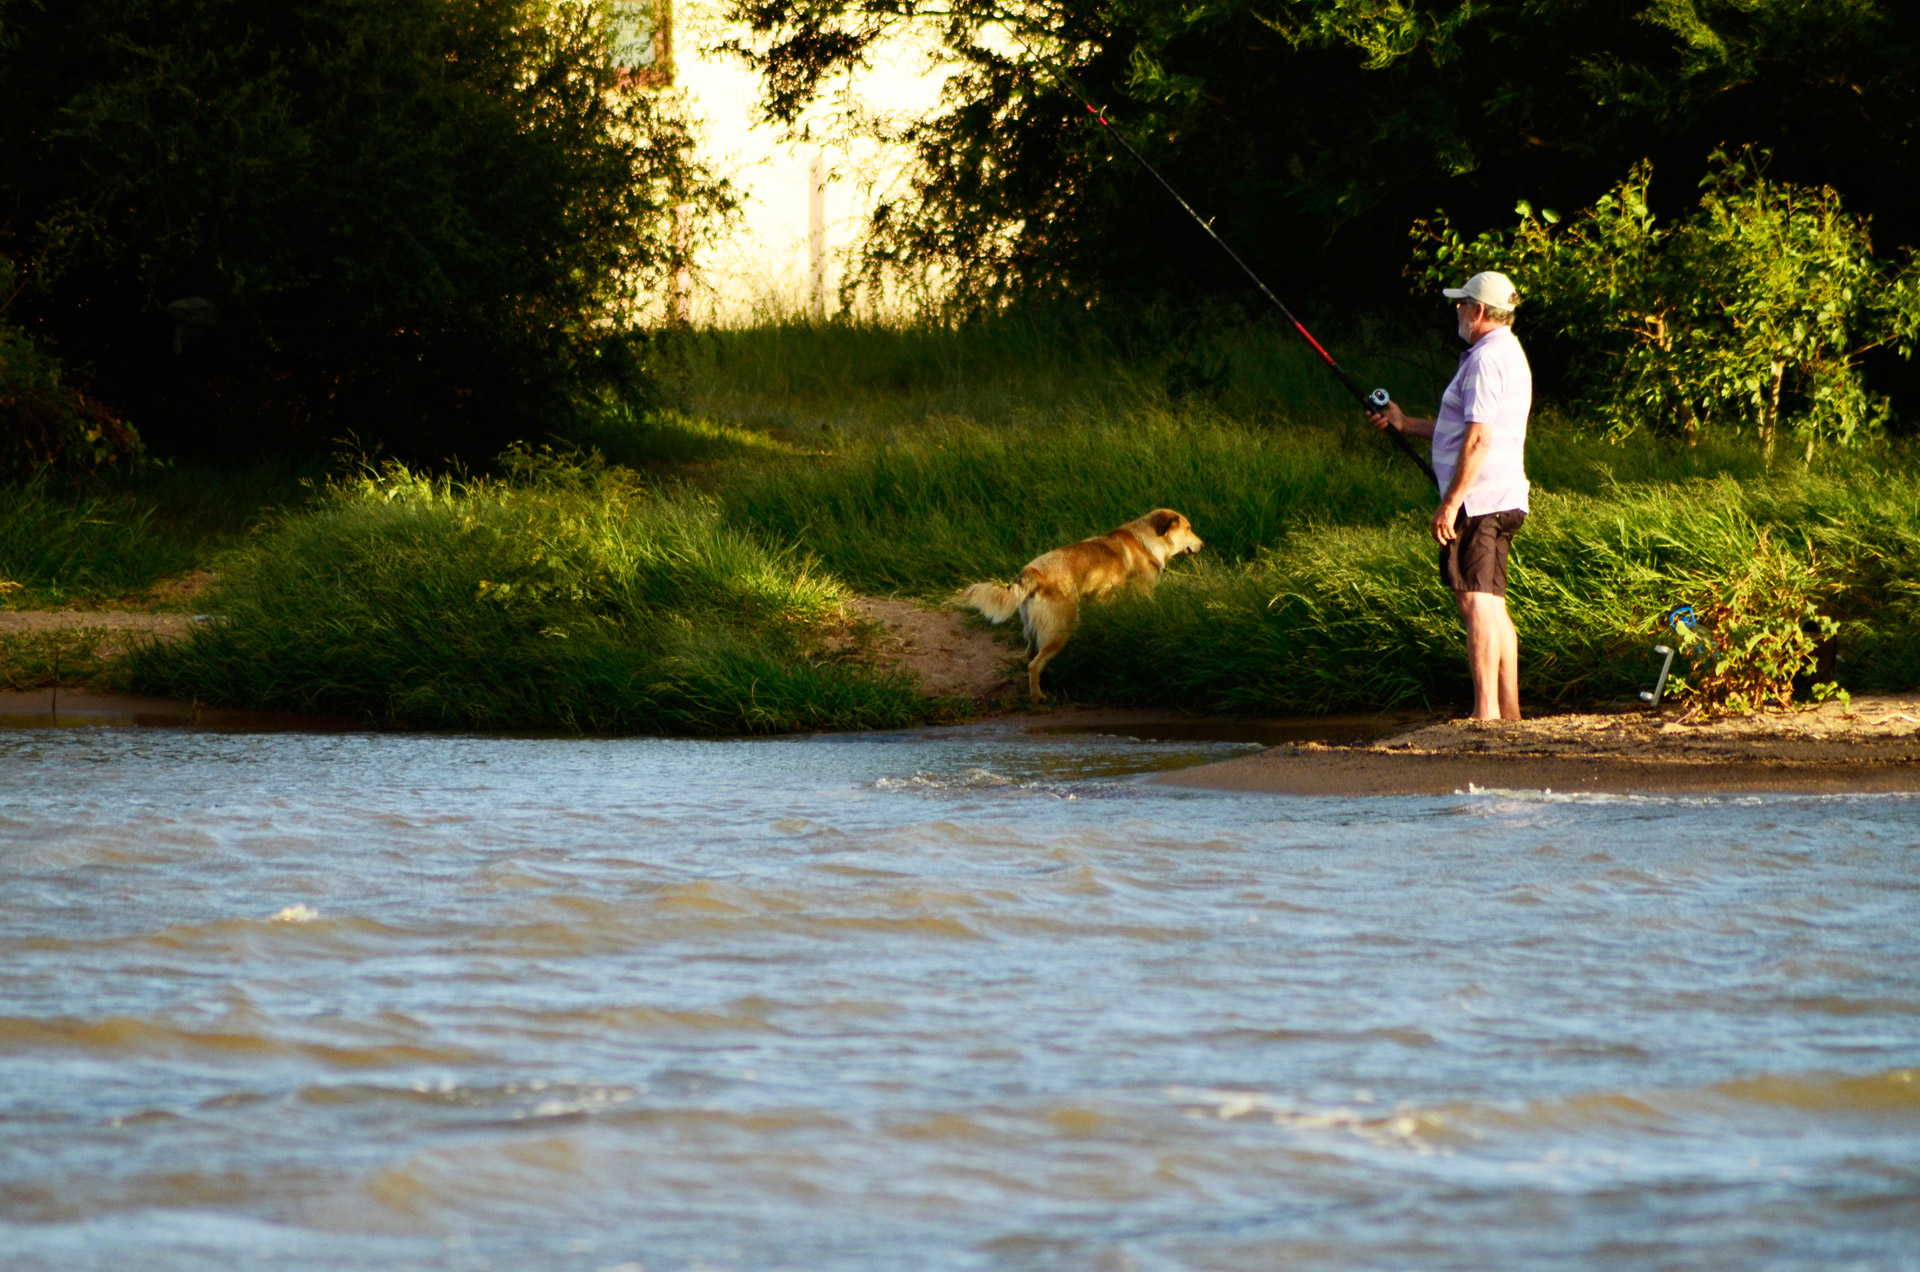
(1316, 130)
(255, 225)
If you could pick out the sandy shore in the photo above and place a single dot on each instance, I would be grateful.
(1875, 748)
(1872, 746)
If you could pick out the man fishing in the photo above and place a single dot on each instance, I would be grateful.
(1478, 444)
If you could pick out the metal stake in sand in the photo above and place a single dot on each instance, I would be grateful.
(1660, 685)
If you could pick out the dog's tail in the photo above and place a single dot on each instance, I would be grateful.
(999, 603)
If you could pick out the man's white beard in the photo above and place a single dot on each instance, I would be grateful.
(1464, 327)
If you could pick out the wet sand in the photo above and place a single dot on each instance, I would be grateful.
(1351, 771)
(1874, 745)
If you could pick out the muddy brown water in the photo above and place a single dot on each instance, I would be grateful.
(974, 998)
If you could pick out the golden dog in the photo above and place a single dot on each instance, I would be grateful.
(1047, 593)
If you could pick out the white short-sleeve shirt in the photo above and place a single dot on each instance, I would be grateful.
(1494, 386)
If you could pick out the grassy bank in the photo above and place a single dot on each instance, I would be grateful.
(695, 585)
(111, 542)
(1317, 591)
(1350, 618)
(559, 598)
(58, 547)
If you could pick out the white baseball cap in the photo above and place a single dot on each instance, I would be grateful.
(1492, 289)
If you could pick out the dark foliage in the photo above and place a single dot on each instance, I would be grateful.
(1316, 130)
(48, 425)
(424, 222)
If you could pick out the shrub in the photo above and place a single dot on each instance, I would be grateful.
(1761, 631)
(1750, 315)
(45, 423)
(441, 215)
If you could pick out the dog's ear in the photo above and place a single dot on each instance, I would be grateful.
(1164, 520)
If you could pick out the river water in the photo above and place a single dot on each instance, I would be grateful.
(968, 999)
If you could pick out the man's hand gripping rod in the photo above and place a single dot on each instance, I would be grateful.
(1375, 401)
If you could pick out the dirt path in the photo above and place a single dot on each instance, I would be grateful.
(40, 622)
(952, 656)
(103, 625)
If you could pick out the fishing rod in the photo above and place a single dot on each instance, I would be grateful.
(1370, 402)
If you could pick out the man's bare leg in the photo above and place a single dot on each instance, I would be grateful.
(1509, 664)
(1493, 656)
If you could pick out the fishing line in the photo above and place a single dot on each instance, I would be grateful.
(1370, 402)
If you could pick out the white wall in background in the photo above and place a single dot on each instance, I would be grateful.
(765, 265)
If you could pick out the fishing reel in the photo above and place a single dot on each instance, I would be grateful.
(1378, 400)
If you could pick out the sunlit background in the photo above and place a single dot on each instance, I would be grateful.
(767, 263)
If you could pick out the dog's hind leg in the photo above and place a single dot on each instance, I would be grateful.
(1049, 621)
(1039, 663)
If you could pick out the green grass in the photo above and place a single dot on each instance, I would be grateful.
(61, 548)
(806, 381)
(695, 585)
(112, 541)
(1348, 618)
(1317, 590)
(925, 511)
(565, 599)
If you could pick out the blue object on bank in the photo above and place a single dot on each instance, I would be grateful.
(1683, 621)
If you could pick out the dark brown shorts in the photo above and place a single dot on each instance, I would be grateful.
(1477, 560)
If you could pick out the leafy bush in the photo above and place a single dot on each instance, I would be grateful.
(1760, 633)
(1751, 313)
(45, 423)
(430, 222)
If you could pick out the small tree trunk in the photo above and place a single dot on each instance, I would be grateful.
(1770, 414)
(1689, 418)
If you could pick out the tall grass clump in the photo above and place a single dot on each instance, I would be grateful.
(561, 597)
(802, 378)
(59, 545)
(1354, 617)
(927, 510)
(932, 484)
(805, 379)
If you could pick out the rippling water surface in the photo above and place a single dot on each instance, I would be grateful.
(957, 1000)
